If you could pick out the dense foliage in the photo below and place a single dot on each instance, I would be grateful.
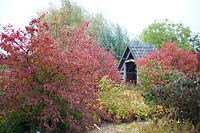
(47, 84)
(170, 78)
(56, 76)
(123, 105)
(114, 38)
(71, 16)
(164, 30)
(158, 65)
(182, 95)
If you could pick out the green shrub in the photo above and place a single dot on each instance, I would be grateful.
(158, 112)
(122, 104)
(182, 95)
(112, 100)
(14, 122)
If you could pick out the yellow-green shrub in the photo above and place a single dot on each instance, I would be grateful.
(123, 104)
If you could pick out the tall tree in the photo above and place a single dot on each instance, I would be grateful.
(70, 15)
(164, 30)
(115, 38)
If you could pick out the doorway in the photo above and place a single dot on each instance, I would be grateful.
(130, 71)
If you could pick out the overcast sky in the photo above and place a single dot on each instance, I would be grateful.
(134, 15)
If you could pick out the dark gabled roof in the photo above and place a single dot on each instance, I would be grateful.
(140, 50)
(136, 50)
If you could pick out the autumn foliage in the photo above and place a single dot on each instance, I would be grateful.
(50, 80)
(158, 64)
(170, 77)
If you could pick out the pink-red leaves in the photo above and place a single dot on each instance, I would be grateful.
(42, 72)
(166, 60)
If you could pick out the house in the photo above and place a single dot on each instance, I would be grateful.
(127, 66)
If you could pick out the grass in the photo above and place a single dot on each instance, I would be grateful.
(162, 126)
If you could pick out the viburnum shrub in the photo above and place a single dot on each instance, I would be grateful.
(155, 67)
(182, 95)
(52, 81)
(170, 78)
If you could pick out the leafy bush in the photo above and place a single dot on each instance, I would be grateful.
(16, 122)
(112, 99)
(182, 95)
(172, 81)
(122, 104)
(156, 67)
(158, 112)
(52, 80)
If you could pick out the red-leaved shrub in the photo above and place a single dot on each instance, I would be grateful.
(170, 77)
(50, 80)
(158, 64)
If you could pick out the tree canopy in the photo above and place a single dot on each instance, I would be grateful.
(70, 15)
(166, 31)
